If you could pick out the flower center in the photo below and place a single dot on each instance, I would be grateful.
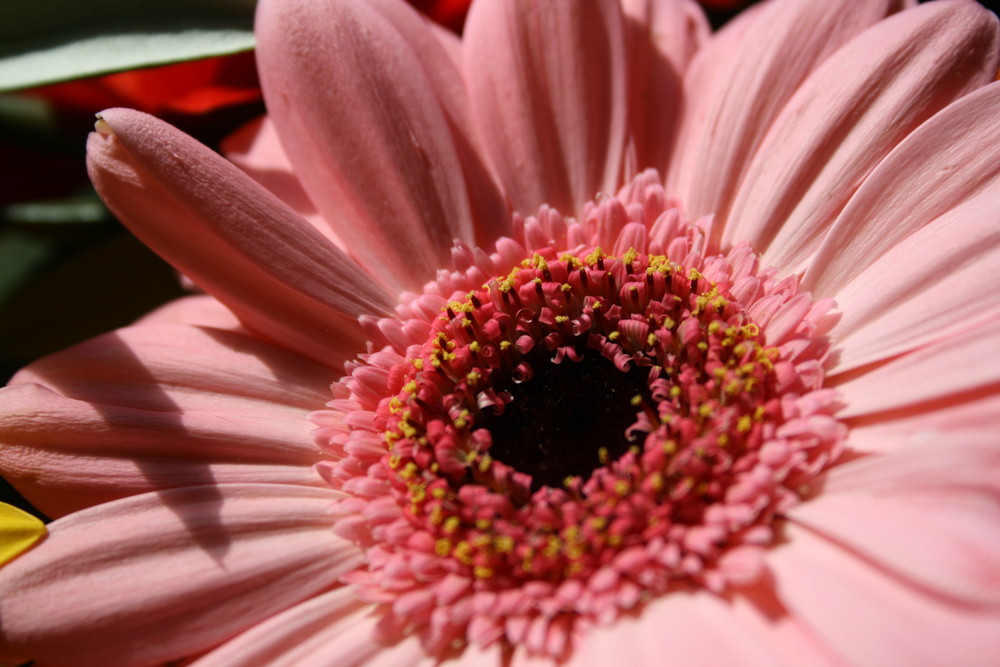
(567, 420)
(581, 431)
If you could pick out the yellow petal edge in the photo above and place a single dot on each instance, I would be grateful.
(19, 531)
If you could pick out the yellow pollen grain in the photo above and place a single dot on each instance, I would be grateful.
(630, 256)
(670, 447)
(602, 455)
(615, 540)
(694, 274)
(636, 400)
(598, 523)
(442, 547)
(503, 544)
(614, 335)
(451, 524)
(705, 410)
(505, 344)
(562, 319)
(439, 492)
(702, 345)
(418, 363)
(482, 524)
(482, 572)
(759, 413)
(485, 462)
(656, 482)
(463, 552)
(565, 287)
(675, 391)
(474, 347)
(651, 340)
(723, 440)
(744, 424)
(622, 487)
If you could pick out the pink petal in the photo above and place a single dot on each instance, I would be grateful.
(547, 79)
(157, 407)
(232, 237)
(739, 83)
(197, 309)
(849, 114)
(869, 616)
(256, 149)
(965, 362)
(164, 575)
(366, 132)
(929, 286)
(170, 366)
(692, 629)
(966, 419)
(936, 526)
(661, 38)
(949, 160)
(334, 628)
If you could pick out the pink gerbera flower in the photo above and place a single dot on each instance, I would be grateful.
(661, 347)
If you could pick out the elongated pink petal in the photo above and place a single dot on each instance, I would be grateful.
(871, 618)
(966, 419)
(155, 407)
(963, 363)
(739, 83)
(256, 149)
(849, 114)
(169, 367)
(64, 455)
(951, 159)
(935, 525)
(164, 575)
(696, 628)
(197, 310)
(661, 38)
(924, 288)
(366, 133)
(547, 80)
(334, 628)
(232, 237)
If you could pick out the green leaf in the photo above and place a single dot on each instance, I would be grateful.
(47, 41)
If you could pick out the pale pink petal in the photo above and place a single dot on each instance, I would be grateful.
(949, 160)
(935, 525)
(926, 287)
(965, 418)
(661, 38)
(63, 454)
(156, 407)
(547, 80)
(233, 238)
(692, 628)
(174, 366)
(873, 618)
(334, 628)
(849, 114)
(740, 81)
(966, 362)
(164, 575)
(197, 309)
(367, 134)
(256, 149)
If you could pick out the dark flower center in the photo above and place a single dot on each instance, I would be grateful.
(568, 420)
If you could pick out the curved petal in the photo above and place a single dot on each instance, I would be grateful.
(150, 408)
(928, 514)
(964, 419)
(334, 628)
(925, 287)
(696, 628)
(963, 363)
(869, 616)
(196, 310)
(256, 149)
(661, 38)
(740, 81)
(547, 82)
(949, 160)
(849, 114)
(233, 238)
(366, 133)
(161, 576)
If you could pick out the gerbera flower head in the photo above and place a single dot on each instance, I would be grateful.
(589, 336)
